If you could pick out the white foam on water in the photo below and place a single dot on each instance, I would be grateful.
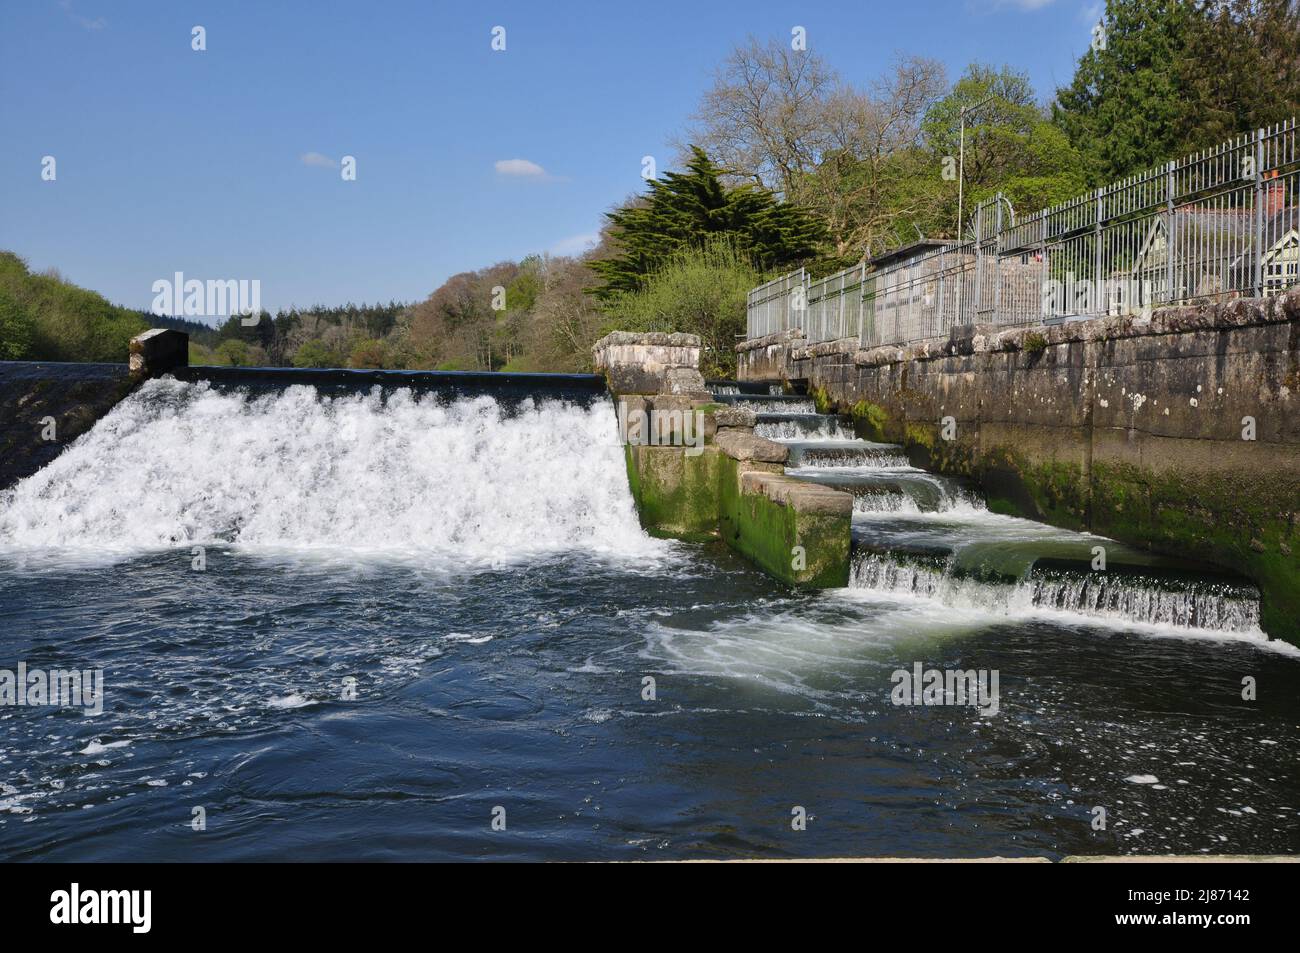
(760, 406)
(827, 428)
(178, 464)
(1118, 603)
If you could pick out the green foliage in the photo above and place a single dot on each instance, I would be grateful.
(1121, 110)
(1240, 70)
(1176, 76)
(368, 353)
(235, 352)
(1011, 147)
(314, 353)
(44, 318)
(698, 290)
(17, 331)
(685, 210)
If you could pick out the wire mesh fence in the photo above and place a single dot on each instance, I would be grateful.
(1223, 222)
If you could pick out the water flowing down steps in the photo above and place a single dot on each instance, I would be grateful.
(921, 535)
(769, 403)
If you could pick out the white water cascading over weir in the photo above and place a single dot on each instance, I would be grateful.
(470, 480)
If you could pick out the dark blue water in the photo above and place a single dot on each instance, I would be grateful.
(522, 688)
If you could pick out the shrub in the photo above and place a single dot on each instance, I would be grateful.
(16, 331)
(699, 291)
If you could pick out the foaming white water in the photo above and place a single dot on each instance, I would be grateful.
(945, 503)
(760, 406)
(177, 464)
(1117, 600)
(850, 455)
(826, 428)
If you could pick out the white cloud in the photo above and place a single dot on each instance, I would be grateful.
(317, 159)
(84, 22)
(574, 244)
(520, 167)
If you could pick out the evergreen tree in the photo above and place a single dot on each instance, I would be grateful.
(1241, 71)
(1123, 110)
(684, 209)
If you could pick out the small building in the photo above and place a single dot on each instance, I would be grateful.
(1213, 254)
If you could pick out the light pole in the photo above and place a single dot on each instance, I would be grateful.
(961, 161)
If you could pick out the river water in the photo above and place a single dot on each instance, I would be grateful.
(368, 627)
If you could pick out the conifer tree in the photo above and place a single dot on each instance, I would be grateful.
(684, 209)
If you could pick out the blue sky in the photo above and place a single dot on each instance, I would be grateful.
(223, 163)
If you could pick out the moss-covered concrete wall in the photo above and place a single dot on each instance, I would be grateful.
(798, 542)
(734, 488)
(1180, 433)
(795, 531)
(676, 493)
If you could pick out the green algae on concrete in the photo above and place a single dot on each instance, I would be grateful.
(1183, 516)
(801, 545)
(869, 420)
(676, 492)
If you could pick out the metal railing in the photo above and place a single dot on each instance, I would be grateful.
(1224, 222)
(770, 306)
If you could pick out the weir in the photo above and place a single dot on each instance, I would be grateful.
(813, 498)
(400, 473)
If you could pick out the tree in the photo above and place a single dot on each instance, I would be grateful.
(873, 176)
(367, 353)
(1011, 146)
(236, 352)
(565, 320)
(762, 117)
(60, 321)
(699, 290)
(1240, 72)
(313, 353)
(1123, 110)
(684, 209)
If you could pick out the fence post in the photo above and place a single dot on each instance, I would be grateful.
(997, 264)
(979, 260)
(1257, 245)
(1171, 229)
(1044, 271)
(936, 317)
(1098, 267)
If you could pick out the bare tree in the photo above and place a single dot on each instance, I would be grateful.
(783, 119)
(874, 149)
(762, 117)
(566, 321)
